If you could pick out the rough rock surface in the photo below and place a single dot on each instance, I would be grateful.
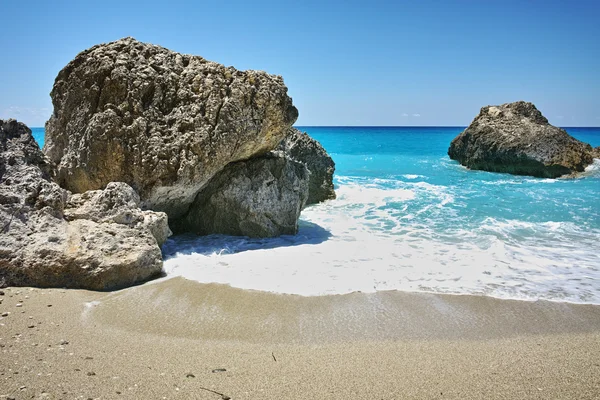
(163, 122)
(516, 138)
(260, 197)
(301, 147)
(96, 240)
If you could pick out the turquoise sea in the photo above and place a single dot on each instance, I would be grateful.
(409, 218)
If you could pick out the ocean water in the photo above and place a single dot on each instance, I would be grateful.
(408, 218)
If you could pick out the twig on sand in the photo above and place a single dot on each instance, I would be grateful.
(273, 355)
(223, 396)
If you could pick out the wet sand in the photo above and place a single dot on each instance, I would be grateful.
(181, 339)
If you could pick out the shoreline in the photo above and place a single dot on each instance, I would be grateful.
(171, 339)
(358, 292)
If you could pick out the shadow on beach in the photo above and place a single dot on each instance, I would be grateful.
(308, 233)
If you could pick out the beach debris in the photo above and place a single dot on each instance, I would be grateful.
(273, 355)
(91, 373)
(190, 375)
(1, 292)
(218, 370)
(5, 314)
(19, 305)
(223, 396)
(64, 342)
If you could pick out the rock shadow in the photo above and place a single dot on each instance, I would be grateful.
(308, 233)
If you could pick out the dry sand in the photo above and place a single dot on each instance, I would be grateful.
(181, 339)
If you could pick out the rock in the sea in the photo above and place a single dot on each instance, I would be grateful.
(516, 138)
(301, 147)
(163, 122)
(95, 240)
(260, 197)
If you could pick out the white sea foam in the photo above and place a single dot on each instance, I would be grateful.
(592, 170)
(413, 176)
(385, 235)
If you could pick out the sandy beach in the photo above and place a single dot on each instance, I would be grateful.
(181, 339)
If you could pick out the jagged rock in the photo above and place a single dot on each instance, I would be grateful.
(96, 240)
(301, 147)
(516, 138)
(597, 152)
(117, 203)
(260, 197)
(163, 122)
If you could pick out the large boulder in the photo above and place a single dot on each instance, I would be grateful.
(301, 147)
(96, 240)
(260, 197)
(516, 138)
(163, 122)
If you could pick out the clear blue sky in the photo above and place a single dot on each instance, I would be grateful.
(344, 62)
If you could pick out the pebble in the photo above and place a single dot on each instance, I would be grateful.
(1, 292)
(91, 373)
(5, 314)
(63, 342)
(19, 305)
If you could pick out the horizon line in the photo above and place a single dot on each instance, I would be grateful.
(415, 126)
(387, 126)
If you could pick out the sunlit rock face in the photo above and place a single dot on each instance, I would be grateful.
(516, 138)
(49, 238)
(165, 123)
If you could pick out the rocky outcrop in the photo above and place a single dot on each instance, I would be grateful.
(163, 122)
(118, 203)
(95, 240)
(301, 147)
(516, 138)
(260, 197)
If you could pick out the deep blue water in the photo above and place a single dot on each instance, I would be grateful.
(409, 218)
(38, 135)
